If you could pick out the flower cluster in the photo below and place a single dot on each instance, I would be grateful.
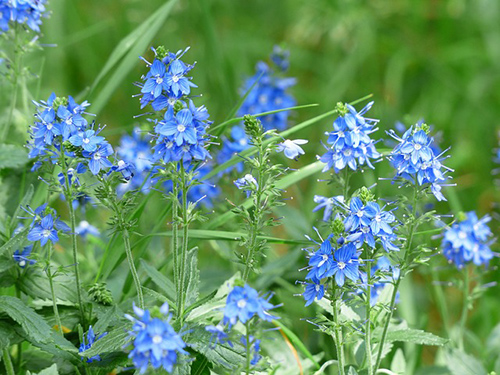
(269, 93)
(28, 12)
(415, 159)
(155, 342)
(468, 240)
(327, 262)
(182, 133)
(350, 142)
(61, 128)
(86, 345)
(45, 225)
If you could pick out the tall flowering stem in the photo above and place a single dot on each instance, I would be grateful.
(107, 195)
(368, 324)
(50, 276)
(183, 255)
(339, 344)
(9, 367)
(412, 225)
(465, 307)
(68, 196)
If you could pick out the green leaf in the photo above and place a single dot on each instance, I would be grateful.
(207, 234)
(52, 370)
(6, 335)
(125, 56)
(110, 316)
(201, 341)
(33, 324)
(15, 242)
(36, 284)
(460, 363)
(398, 364)
(415, 336)
(162, 281)
(114, 341)
(192, 277)
(347, 314)
(296, 341)
(24, 202)
(12, 156)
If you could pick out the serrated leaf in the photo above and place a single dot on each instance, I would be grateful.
(114, 341)
(398, 364)
(15, 241)
(6, 333)
(192, 277)
(24, 202)
(162, 281)
(32, 324)
(460, 363)
(105, 320)
(36, 284)
(347, 314)
(415, 336)
(12, 156)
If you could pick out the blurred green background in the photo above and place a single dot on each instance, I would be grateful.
(431, 59)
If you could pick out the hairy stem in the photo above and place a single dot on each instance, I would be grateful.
(130, 259)
(411, 233)
(175, 240)
(368, 326)
(248, 349)
(69, 200)
(184, 249)
(9, 368)
(337, 330)
(48, 271)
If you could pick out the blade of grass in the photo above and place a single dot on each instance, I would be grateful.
(296, 341)
(126, 57)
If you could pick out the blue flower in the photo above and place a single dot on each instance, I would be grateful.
(179, 126)
(219, 336)
(321, 262)
(350, 142)
(84, 229)
(179, 83)
(327, 204)
(154, 342)
(156, 82)
(291, 149)
(243, 303)
(125, 168)
(313, 291)
(254, 348)
(359, 215)
(390, 274)
(345, 264)
(22, 258)
(248, 183)
(237, 143)
(44, 231)
(88, 140)
(415, 160)
(468, 241)
(99, 158)
(88, 344)
(28, 12)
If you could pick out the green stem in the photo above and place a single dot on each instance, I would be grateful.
(8, 362)
(411, 232)
(185, 239)
(368, 329)
(175, 241)
(130, 259)
(347, 176)
(465, 308)
(48, 270)
(69, 200)
(248, 349)
(257, 214)
(337, 330)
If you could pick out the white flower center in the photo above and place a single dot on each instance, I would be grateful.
(84, 224)
(323, 260)
(242, 303)
(359, 213)
(263, 99)
(159, 80)
(175, 79)
(157, 339)
(347, 152)
(172, 101)
(181, 128)
(169, 144)
(97, 156)
(86, 140)
(69, 121)
(341, 265)
(462, 235)
(340, 134)
(46, 233)
(417, 146)
(121, 164)
(317, 287)
(22, 263)
(365, 229)
(49, 126)
(378, 217)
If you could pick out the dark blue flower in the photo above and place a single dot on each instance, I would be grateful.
(179, 126)
(125, 168)
(247, 183)
(321, 262)
(358, 215)
(219, 336)
(313, 291)
(99, 158)
(156, 82)
(243, 303)
(22, 258)
(86, 345)
(28, 12)
(44, 231)
(345, 264)
(88, 140)
(155, 342)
